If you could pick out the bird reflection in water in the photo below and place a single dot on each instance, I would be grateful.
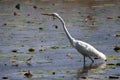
(84, 73)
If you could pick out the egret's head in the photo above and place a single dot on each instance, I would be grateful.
(51, 14)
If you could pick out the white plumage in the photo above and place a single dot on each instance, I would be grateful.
(82, 47)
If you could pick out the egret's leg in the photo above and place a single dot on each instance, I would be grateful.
(84, 59)
(91, 59)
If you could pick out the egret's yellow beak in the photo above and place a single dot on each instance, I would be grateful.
(48, 14)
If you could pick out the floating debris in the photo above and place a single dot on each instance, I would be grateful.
(86, 20)
(54, 47)
(118, 16)
(31, 50)
(113, 77)
(15, 14)
(44, 62)
(16, 65)
(94, 23)
(118, 64)
(5, 64)
(53, 73)
(113, 57)
(13, 60)
(117, 48)
(14, 51)
(4, 78)
(111, 64)
(68, 55)
(109, 17)
(28, 14)
(56, 26)
(5, 24)
(89, 17)
(40, 28)
(17, 6)
(84, 77)
(28, 74)
(41, 50)
(35, 7)
(117, 35)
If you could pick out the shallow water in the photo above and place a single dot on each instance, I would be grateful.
(25, 32)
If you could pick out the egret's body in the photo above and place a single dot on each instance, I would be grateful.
(84, 48)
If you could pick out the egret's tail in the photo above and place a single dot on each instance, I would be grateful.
(102, 56)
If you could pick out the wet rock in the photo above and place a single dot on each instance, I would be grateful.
(117, 48)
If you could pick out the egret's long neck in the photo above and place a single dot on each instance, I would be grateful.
(66, 31)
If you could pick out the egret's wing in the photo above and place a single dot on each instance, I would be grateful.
(86, 49)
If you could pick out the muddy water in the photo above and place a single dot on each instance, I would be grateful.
(30, 41)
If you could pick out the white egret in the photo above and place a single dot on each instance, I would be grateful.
(82, 47)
